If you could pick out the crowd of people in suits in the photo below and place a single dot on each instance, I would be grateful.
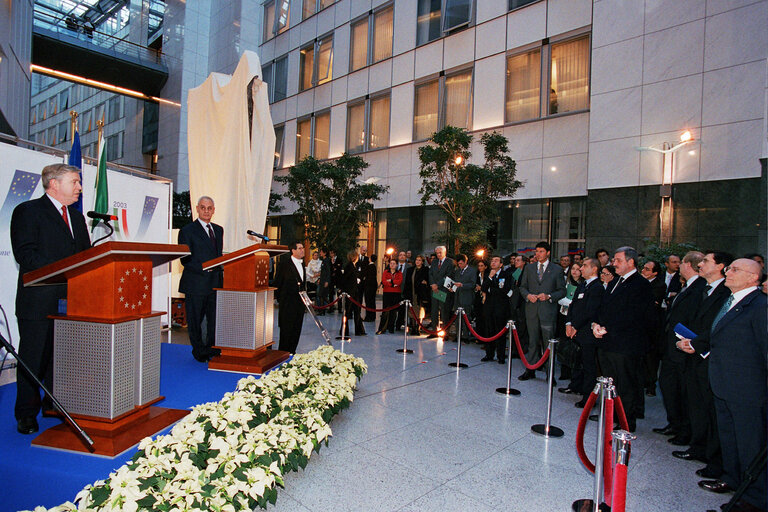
(693, 325)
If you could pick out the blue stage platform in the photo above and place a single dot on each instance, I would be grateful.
(35, 476)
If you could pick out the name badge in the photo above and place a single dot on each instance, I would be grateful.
(501, 283)
(581, 296)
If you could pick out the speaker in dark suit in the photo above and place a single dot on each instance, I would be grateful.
(205, 241)
(541, 286)
(290, 279)
(43, 231)
(738, 376)
(681, 310)
(625, 324)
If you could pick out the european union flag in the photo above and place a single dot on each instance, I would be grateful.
(76, 160)
(146, 216)
(21, 189)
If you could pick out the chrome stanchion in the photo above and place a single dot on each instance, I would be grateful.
(342, 336)
(507, 391)
(605, 385)
(546, 429)
(405, 349)
(622, 446)
(459, 319)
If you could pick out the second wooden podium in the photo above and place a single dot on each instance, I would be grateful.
(245, 311)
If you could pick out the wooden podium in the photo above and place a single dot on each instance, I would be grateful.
(245, 311)
(107, 347)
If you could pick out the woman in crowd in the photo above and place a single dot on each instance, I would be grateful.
(313, 272)
(392, 284)
(350, 279)
(482, 275)
(416, 289)
(572, 279)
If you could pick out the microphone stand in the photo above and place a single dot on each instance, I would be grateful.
(9, 348)
(111, 230)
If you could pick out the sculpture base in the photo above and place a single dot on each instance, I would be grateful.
(238, 360)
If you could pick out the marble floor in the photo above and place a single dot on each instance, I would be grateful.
(423, 436)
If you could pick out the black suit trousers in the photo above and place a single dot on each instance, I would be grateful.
(369, 294)
(584, 380)
(705, 442)
(626, 371)
(35, 349)
(199, 307)
(290, 321)
(742, 435)
(672, 386)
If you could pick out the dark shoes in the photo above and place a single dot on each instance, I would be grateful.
(27, 425)
(527, 375)
(679, 441)
(381, 331)
(487, 358)
(716, 486)
(581, 403)
(665, 431)
(687, 455)
(206, 356)
(566, 391)
(502, 361)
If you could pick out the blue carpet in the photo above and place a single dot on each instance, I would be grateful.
(35, 476)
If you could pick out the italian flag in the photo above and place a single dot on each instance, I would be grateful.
(101, 201)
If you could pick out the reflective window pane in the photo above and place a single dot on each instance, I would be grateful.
(322, 135)
(281, 79)
(379, 125)
(523, 86)
(428, 21)
(382, 35)
(458, 100)
(425, 111)
(569, 74)
(325, 61)
(356, 128)
(303, 139)
(457, 13)
(358, 57)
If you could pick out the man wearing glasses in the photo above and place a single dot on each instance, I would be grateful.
(738, 376)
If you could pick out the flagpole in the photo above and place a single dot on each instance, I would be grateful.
(72, 124)
(100, 125)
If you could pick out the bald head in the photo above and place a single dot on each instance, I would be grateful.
(742, 273)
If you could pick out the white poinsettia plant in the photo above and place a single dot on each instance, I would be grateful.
(232, 455)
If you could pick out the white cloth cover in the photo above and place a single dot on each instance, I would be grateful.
(224, 162)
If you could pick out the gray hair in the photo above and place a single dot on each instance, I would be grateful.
(441, 247)
(55, 172)
(629, 253)
(206, 198)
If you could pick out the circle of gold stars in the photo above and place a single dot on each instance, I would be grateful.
(137, 274)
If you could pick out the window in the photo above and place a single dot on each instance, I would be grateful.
(313, 136)
(569, 76)
(316, 61)
(279, 133)
(276, 17)
(276, 77)
(368, 124)
(376, 28)
(98, 114)
(41, 112)
(114, 147)
(312, 6)
(51, 139)
(514, 4)
(64, 100)
(523, 86)
(84, 124)
(63, 130)
(114, 109)
(446, 101)
(436, 17)
(33, 115)
(52, 106)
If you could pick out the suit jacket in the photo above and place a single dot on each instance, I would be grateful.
(496, 289)
(674, 285)
(738, 361)
(416, 275)
(628, 314)
(325, 271)
(370, 278)
(289, 283)
(702, 322)
(39, 236)
(465, 294)
(195, 280)
(437, 275)
(552, 283)
(350, 280)
(336, 266)
(583, 310)
(682, 310)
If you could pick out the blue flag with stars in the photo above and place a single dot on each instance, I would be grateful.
(76, 160)
(22, 186)
(146, 216)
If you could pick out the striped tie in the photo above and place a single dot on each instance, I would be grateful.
(723, 310)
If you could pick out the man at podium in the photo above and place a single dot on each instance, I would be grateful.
(205, 241)
(43, 231)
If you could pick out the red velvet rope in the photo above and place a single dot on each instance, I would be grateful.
(620, 413)
(474, 332)
(421, 326)
(538, 364)
(580, 432)
(327, 305)
(620, 488)
(608, 451)
(373, 310)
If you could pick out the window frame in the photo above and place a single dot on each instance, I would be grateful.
(367, 102)
(279, 148)
(370, 19)
(316, 46)
(319, 6)
(441, 98)
(277, 28)
(312, 118)
(445, 31)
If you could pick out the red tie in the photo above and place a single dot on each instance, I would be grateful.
(64, 215)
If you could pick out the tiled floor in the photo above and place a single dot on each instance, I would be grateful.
(422, 436)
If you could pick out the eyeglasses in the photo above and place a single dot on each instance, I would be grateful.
(737, 269)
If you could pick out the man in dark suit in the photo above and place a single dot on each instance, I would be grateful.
(652, 272)
(705, 444)
(291, 279)
(205, 241)
(738, 375)
(371, 285)
(43, 231)
(541, 285)
(441, 267)
(625, 323)
(672, 277)
(496, 308)
(681, 310)
(324, 283)
(336, 266)
(578, 326)
(464, 278)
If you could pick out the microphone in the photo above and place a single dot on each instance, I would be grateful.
(101, 216)
(257, 235)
